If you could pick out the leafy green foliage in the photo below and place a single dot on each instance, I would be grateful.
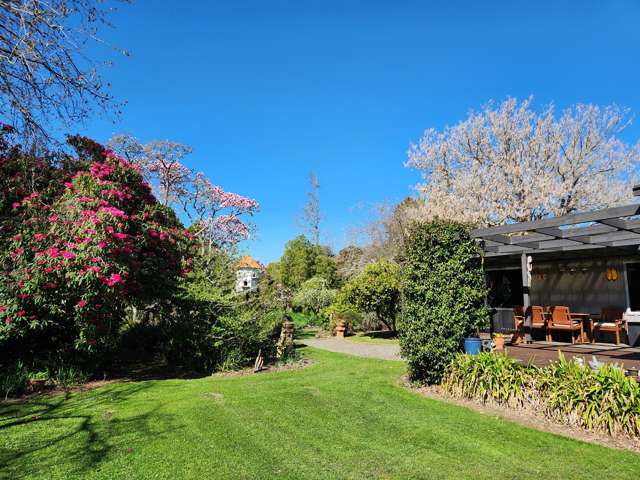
(604, 400)
(75, 255)
(444, 291)
(376, 289)
(207, 326)
(13, 379)
(314, 295)
(303, 260)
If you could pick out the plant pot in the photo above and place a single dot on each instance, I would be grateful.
(341, 329)
(499, 343)
(288, 328)
(472, 345)
(37, 384)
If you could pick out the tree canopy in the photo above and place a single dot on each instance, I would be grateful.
(377, 290)
(510, 163)
(303, 260)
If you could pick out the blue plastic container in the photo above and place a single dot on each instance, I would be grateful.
(472, 346)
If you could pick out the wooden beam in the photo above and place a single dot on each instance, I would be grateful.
(572, 219)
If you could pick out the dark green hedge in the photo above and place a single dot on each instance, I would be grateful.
(443, 297)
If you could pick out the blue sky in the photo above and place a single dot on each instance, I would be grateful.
(266, 91)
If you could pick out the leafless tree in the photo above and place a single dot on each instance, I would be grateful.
(46, 76)
(511, 163)
(311, 215)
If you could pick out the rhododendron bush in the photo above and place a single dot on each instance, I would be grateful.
(80, 240)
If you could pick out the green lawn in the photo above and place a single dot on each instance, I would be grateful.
(342, 417)
(372, 339)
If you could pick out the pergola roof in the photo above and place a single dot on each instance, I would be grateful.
(610, 227)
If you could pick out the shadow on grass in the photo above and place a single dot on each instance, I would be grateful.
(307, 333)
(82, 430)
(383, 334)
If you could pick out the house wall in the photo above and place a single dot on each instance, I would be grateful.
(246, 279)
(580, 285)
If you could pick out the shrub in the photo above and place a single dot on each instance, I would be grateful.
(376, 290)
(314, 295)
(604, 400)
(14, 379)
(443, 297)
(75, 256)
(66, 376)
(487, 376)
(340, 310)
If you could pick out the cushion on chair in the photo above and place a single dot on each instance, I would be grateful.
(565, 327)
(605, 324)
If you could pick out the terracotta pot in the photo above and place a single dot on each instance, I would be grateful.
(37, 384)
(341, 329)
(499, 341)
(288, 328)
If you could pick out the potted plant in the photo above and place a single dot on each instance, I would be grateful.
(498, 341)
(38, 380)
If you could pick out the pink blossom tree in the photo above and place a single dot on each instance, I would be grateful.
(217, 216)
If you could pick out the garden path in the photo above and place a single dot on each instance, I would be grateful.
(332, 344)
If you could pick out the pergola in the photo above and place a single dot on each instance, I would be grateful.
(608, 228)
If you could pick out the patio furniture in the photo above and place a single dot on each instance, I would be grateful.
(610, 321)
(561, 320)
(538, 320)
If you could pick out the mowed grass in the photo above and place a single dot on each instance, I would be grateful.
(372, 339)
(342, 417)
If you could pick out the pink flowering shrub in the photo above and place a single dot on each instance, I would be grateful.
(89, 241)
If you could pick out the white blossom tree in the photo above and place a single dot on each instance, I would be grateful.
(509, 163)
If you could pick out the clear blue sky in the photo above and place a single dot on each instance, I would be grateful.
(266, 91)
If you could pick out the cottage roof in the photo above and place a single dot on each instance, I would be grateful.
(249, 262)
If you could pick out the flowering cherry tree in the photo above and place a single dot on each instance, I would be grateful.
(74, 257)
(216, 216)
(511, 163)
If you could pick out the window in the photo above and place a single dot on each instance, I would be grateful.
(505, 288)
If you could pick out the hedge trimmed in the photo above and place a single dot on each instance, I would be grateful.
(443, 297)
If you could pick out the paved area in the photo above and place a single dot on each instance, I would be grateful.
(541, 353)
(384, 352)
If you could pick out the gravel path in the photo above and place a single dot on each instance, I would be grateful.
(385, 352)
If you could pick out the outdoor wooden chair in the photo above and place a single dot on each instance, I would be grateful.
(610, 321)
(562, 321)
(538, 320)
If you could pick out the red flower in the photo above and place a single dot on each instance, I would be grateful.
(114, 279)
(8, 321)
(2, 308)
(82, 304)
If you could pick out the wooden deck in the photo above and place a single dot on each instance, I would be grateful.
(541, 353)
